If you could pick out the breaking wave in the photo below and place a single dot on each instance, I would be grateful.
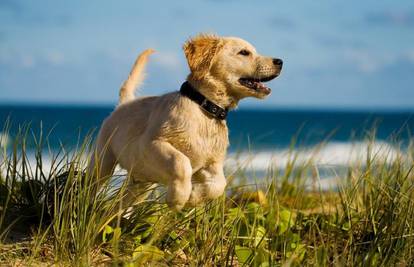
(340, 154)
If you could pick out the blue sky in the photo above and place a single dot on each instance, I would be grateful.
(337, 54)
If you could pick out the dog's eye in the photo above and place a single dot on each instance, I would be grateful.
(244, 52)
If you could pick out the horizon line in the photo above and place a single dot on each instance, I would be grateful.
(250, 107)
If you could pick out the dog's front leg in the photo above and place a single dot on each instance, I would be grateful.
(208, 183)
(174, 167)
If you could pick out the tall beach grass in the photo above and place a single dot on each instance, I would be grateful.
(48, 214)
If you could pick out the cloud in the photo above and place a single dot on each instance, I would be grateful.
(23, 60)
(27, 61)
(393, 83)
(391, 17)
(168, 60)
(401, 69)
(410, 55)
(367, 61)
(55, 58)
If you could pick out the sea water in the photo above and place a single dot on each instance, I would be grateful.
(259, 139)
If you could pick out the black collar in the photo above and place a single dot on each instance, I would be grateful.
(212, 109)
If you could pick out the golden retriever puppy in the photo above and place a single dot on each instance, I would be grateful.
(180, 138)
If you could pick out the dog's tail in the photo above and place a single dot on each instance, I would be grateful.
(135, 78)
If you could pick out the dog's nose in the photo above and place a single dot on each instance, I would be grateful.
(277, 62)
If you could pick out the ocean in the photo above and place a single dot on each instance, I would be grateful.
(258, 138)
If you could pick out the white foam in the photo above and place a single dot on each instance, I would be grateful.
(333, 154)
(49, 162)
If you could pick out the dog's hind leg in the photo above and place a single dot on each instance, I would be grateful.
(102, 166)
(102, 162)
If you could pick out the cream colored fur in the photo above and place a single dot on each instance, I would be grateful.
(169, 139)
(135, 79)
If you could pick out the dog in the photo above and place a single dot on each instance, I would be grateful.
(180, 138)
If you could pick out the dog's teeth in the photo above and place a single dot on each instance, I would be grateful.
(255, 84)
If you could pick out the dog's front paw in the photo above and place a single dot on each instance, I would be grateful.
(175, 205)
(178, 195)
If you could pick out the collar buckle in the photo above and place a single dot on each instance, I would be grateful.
(204, 104)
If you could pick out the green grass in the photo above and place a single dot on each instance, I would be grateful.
(51, 217)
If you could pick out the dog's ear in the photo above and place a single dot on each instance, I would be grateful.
(200, 52)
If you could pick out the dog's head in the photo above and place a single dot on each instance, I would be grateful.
(232, 65)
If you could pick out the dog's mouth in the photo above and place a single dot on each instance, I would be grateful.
(257, 84)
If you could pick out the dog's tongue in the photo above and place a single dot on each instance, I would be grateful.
(260, 87)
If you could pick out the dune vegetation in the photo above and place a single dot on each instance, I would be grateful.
(49, 215)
